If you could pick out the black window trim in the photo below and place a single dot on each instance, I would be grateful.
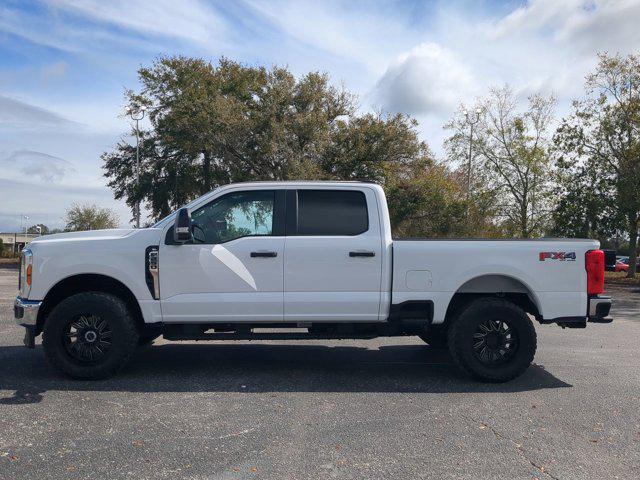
(291, 212)
(279, 208)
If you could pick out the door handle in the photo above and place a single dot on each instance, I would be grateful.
(264, 254)
(362, 254)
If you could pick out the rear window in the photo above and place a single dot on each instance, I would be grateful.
(332, 212)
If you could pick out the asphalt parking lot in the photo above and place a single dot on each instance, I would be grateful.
(385, 408)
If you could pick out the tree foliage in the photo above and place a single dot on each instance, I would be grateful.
(603, 137)
(216, 124)
(44, 230)
(90, 217)
(510, 180)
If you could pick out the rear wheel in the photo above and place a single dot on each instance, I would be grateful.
(493, 340)
(90, 335)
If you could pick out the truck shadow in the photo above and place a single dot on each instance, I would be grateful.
(260, 367)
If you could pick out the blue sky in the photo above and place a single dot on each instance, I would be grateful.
(64, 65)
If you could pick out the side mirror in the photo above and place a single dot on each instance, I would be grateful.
(182, 226)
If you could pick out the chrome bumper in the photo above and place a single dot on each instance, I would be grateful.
(26, 311)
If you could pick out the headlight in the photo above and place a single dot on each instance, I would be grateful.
(26, 272)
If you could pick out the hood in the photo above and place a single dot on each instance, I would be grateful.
(88, 235)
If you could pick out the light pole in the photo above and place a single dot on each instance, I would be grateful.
(471, 120)
(24, 217)
(136, 112)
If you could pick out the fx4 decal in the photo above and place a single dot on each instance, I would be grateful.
(562, 256)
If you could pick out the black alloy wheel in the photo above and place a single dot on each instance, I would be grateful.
(494, 342)
(87, 338)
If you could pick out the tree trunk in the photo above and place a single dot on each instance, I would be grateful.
(633, 244)
(524, 221)
(206, 172)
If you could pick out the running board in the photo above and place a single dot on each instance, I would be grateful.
(267, 336)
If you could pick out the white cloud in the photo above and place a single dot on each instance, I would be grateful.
(28, 163)
(578, 24)
(345, 30)
(17, 114)
(427, 79)
(54, 71)
(535, 15)
(190, 20)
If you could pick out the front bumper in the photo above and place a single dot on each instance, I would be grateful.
(25, 311)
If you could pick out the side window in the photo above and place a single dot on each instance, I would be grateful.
(234, 215)
(332, 212)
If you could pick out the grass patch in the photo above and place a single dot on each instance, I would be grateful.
(620, 278)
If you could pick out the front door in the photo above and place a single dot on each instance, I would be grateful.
(232, 271)
(333, 250)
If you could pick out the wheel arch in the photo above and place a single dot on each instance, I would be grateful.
(88, 282)
(498, 285)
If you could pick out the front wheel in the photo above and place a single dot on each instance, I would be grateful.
(493, 340)
(90, 335)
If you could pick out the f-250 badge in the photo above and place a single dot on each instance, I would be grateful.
(561, 256)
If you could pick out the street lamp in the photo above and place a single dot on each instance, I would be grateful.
(471, 120)
(26, 217)
(136, 112)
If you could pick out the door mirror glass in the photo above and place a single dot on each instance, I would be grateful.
(182, 226)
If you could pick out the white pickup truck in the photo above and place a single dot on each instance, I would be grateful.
(300, 260)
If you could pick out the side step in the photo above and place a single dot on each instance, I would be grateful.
(186, 333)
(266, 336)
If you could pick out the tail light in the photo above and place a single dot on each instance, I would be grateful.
(594, 264)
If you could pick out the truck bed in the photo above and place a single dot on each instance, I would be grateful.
(551, 271)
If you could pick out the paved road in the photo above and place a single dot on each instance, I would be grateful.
(387, 408)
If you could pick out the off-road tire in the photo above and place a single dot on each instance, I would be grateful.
(465, 325)
(124, 334)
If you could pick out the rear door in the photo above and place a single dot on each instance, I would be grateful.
(332, 259)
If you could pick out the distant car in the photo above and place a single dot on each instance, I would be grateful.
(622, 265)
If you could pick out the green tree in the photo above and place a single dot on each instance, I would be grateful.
(511, 161)
(44, 230)
(586, 206)
(212, 125)
(604, 133)
(424, 198)
(90, 217)
(216, 124)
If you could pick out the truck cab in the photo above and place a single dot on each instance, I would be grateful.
(300, 260)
